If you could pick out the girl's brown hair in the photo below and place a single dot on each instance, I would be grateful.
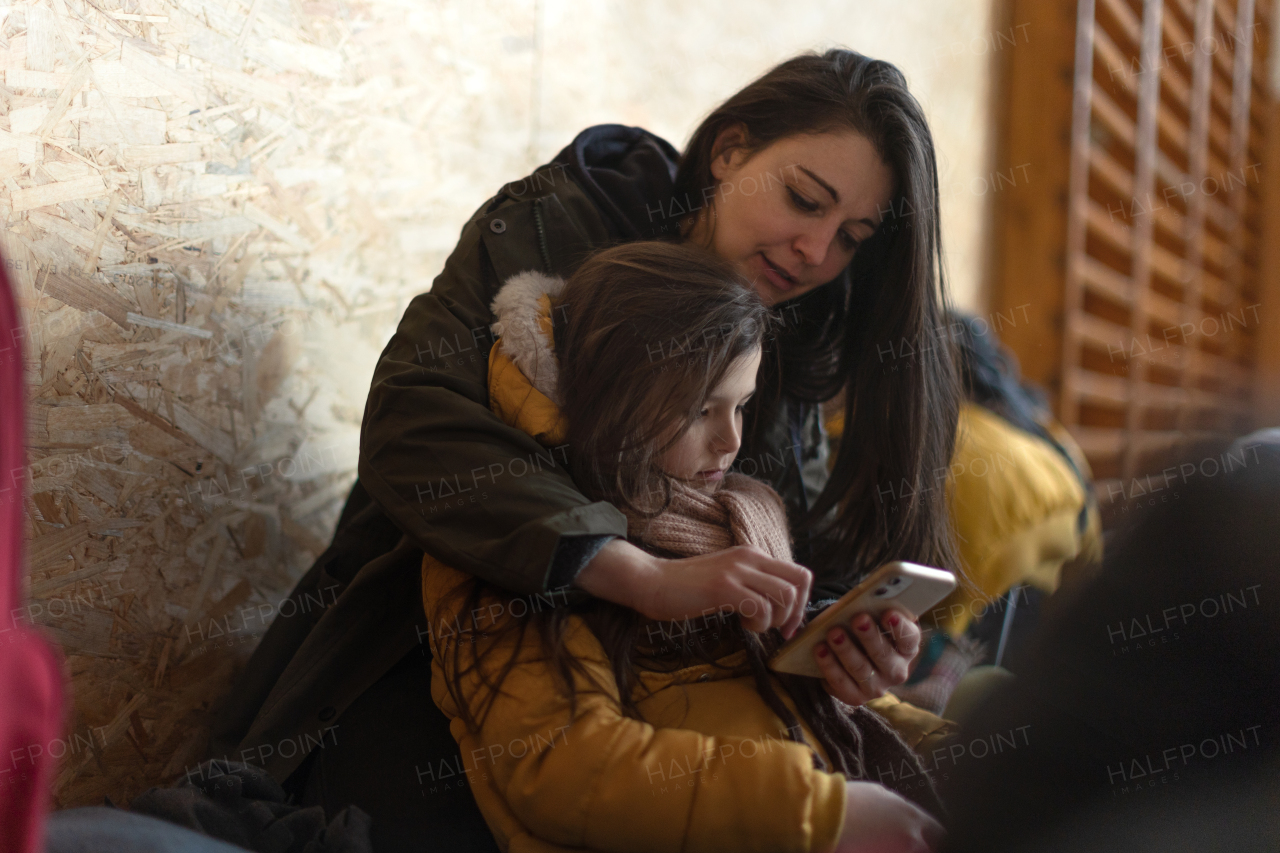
(877, 332)
(644, 332)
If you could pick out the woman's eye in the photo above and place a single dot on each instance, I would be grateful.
(802, 202)
(848, 242)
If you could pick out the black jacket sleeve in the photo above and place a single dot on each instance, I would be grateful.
(475, 493)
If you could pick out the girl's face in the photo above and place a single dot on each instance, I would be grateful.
(708, 447)
(790, 216)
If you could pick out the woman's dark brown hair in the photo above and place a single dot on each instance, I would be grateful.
(644, 332)
(877, 332)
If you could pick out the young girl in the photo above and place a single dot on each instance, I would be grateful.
(586, 725)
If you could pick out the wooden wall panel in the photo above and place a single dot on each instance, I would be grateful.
(1142, 252)
(1033, 89)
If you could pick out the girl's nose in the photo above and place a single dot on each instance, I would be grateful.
(727, 439)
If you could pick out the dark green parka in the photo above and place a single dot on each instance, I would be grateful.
(439, 472)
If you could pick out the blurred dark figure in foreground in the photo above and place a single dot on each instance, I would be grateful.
(1146, 713)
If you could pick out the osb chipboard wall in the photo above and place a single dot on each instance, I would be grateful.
(213, 215)
(214, 212)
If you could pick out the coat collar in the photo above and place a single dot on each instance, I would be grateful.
(630, 175)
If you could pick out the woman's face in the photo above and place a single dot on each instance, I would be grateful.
(790, 216)
(708, 447)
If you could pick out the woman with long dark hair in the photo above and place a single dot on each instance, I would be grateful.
(818, 183)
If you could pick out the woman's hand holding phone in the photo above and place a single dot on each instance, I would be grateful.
(876, 820)
(861, 659)
(765, 592)
(863, 644)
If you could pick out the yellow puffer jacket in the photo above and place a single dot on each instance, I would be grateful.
(694, 775)
(708, 768)
(1015, 504)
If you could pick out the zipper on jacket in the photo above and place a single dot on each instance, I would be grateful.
(542, 235)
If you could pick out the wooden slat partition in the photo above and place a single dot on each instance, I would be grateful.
(1139, 250)
(1163, 221)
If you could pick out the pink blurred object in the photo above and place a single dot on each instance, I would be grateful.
(30, 668)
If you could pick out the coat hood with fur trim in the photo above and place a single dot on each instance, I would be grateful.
(523, 370)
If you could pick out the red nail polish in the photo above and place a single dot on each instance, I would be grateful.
(864, 626)
(839, 638)
(822, 651)
(894, 620)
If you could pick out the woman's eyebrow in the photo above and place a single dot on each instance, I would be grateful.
(835, 196)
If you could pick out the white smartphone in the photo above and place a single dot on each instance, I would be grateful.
(908, 586)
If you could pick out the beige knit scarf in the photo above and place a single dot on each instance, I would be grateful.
(742, 511)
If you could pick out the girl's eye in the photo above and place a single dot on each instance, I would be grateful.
(703, 413)
(802, 202)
